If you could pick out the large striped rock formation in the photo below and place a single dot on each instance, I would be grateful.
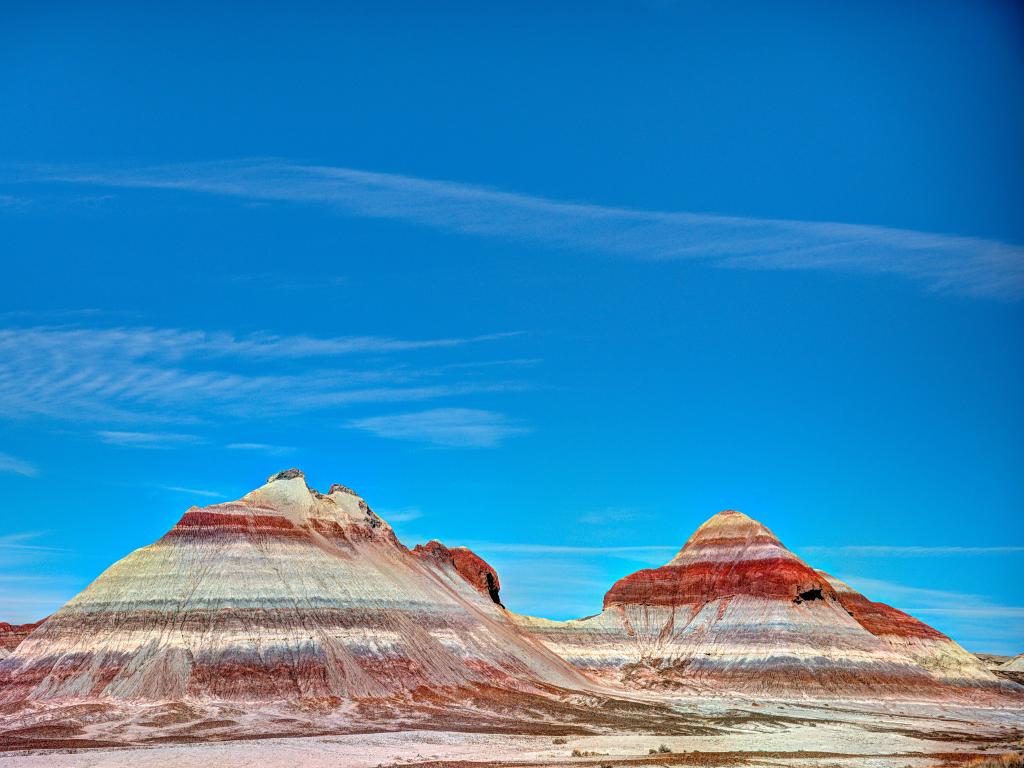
(736, 610)
(285, 593)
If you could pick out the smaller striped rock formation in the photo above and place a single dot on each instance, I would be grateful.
(1012, 669)
(11, 636)
(1016, 664)
(735, 610)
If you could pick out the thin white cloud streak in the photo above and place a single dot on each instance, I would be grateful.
(946, 263)
(652, 555)
(124, 374)
(903, 593)
(985, 612)
(273, 450)
(612, 516)
(17, 541)
(15, 466)
(557, 549)
(405, 515)
(446, 427)
(147, 439)
(194, 491)
(910, 551)
(18, 549)
(173, 344)
(969, 618)
(32, 605)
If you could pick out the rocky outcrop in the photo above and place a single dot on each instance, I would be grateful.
(466, 563)
(1016, 664)
(735, 610)
(1011, 669)
(11, 636)
(285, 593)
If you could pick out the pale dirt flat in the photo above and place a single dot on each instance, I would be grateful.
(794, 734)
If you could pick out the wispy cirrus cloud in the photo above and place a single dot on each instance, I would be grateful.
(147, 439)
(23, 540)
(127, 374)
(194, 491)
(175, 344)
(883, 550)
(403, 515)
(447, 427)
(23, 547)
(15, 466)
(272, 450)
(973, 620)
(568, 549)
(948, 263)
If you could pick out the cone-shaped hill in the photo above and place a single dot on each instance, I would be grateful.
(285, 593)
(736, 610)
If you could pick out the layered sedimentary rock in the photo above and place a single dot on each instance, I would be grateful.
(1016, 664)
(912, 638)
(284, 593)
(1011, 669)
(736, 610)
(11, 636)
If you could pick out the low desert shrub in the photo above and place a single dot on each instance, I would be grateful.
(559, 740)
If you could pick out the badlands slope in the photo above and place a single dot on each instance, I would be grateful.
(286, 593)
(736, 611)
(293, 613)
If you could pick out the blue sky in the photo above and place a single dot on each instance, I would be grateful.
(557, 283)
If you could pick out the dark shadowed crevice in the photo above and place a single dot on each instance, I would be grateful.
(809, 595)
(492, 589)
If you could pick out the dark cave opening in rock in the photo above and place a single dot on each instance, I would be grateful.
(809, 595)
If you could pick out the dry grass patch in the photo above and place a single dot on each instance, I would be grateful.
(1009, 760)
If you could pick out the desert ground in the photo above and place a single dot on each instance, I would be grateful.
(692, 731)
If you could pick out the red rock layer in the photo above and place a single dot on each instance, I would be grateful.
(11, 635)
(470, 566)
(672, 585)
(881, 620)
